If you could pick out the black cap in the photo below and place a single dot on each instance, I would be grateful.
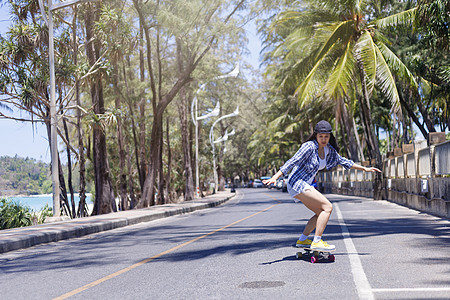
(323, 127)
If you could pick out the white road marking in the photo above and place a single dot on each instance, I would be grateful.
(359, 276)
(436, 289)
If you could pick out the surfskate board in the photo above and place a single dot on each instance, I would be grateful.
(315, 255)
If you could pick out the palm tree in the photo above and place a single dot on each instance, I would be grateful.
(23, 72)
(333, 49)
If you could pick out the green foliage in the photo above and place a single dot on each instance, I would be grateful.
(41, 215)
(315, 50)
(14, 214)
(433, 19)
(425, 52)
(24, 176)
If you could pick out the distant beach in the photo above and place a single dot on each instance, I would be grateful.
(37, 202)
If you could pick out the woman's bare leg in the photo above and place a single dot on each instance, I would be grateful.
(310, 225)
(320, 205)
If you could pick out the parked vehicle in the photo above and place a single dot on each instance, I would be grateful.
(258, 183)
(279, 183)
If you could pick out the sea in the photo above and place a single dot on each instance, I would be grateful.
(37, 202)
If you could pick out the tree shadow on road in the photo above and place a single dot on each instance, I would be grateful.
(104, 248)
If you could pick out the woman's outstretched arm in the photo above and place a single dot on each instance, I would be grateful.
(366, 169)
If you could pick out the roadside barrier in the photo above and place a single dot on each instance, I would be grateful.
(413, 176)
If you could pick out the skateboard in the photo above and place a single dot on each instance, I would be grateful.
(316, 255)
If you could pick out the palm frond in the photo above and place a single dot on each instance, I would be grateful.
(311, 84)
(397, 65)
(294, 41)
(314, 80)
(291, 128)
(341, 75)
(252, 144)
(341, 32)
(403, 18)
(276, 123)
(291, 74)
(274, 149)
(286, 16)
(365, 51)
(278, 135)
(386, 80)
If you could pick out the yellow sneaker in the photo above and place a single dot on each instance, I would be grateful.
(303, 244)
(322, 246)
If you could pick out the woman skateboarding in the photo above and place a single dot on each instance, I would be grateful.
(319, 152)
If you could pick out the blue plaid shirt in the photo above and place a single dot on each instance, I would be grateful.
(306, 164)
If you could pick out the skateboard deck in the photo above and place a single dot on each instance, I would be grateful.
(316, 255)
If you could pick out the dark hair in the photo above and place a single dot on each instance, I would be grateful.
(332, 141)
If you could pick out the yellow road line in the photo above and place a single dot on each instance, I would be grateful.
(106, 278)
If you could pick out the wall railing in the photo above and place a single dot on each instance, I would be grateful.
(419, 179)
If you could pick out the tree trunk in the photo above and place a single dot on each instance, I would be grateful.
(69, 169)
(64, 203)
(360, 148)
(130, 178)
(156, 137)
(120, 143)
(406, 104)
(220, 154)
(141, 173)
(425, 116)
(372, 141)
(142, 129)
(348, 124)
(189, 190)
(148, 194)
(63, 190)
(221, 178)
(185, 141)
(103, 190)
(82, 209)
(169, 161)
(161, 199)
(344, 138)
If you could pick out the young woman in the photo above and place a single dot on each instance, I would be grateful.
(319, 152)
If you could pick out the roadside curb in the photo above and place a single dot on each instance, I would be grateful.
(25, 237)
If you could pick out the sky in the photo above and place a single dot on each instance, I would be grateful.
(26, 140)
(21, 138)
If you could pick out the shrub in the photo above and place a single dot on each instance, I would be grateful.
(45, 212)
(14, 214)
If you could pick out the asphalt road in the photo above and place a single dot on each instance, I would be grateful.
(244, 250)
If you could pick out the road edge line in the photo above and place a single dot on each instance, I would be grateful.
(359, 276)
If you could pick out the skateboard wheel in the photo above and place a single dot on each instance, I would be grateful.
(299, 255)
(331, 258)
(314, 259)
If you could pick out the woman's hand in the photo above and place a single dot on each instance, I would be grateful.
(366, 169)
(372, 169)
(273, 179)
(270, 181)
